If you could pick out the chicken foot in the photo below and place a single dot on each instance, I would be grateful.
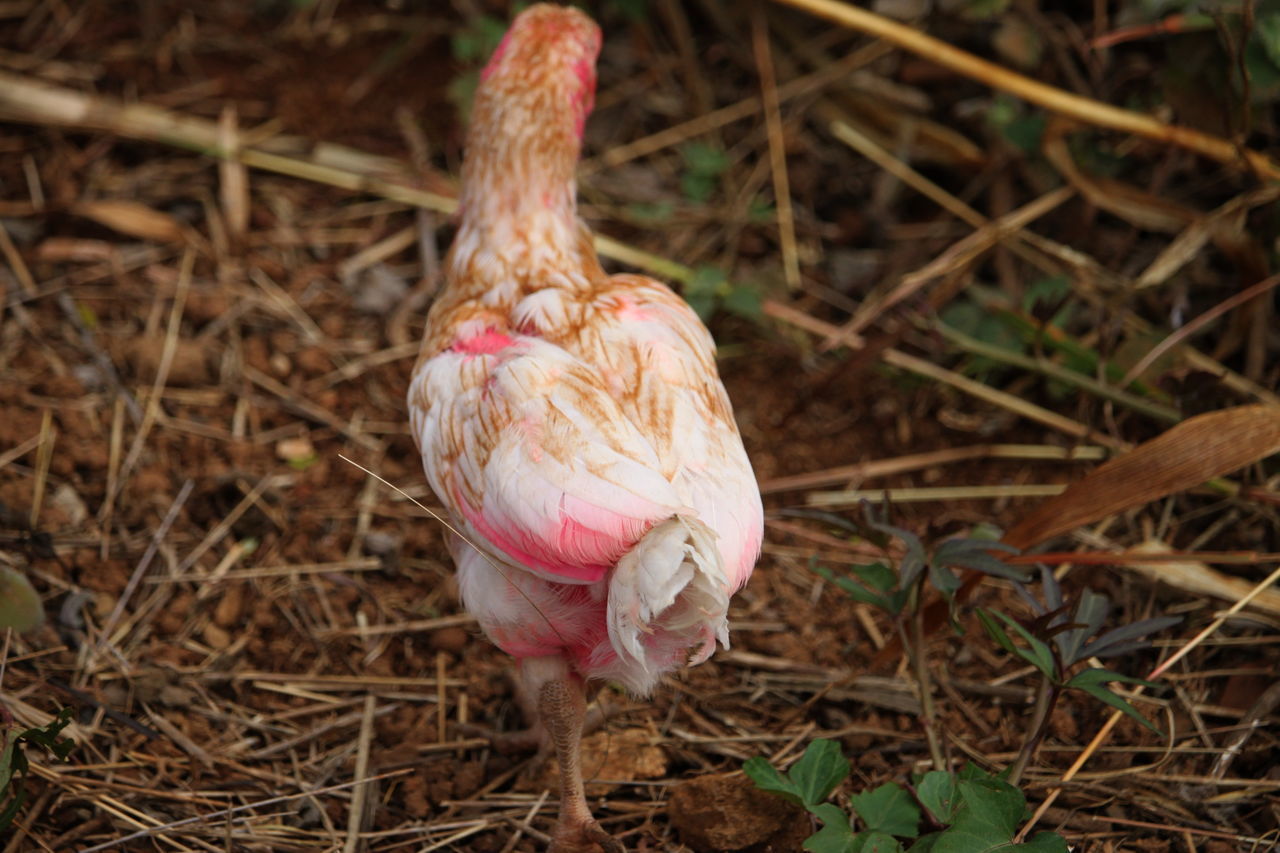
(561, 706)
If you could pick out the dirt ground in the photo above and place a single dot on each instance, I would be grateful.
(247, 624)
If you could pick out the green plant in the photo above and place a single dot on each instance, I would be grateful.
(703, 166)
(1058, 638)
(971, 810)
(964, 812)
(710, 288)
(899, 590)
(13, 758)
(472, 44)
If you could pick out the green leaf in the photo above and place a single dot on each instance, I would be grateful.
(989, 803)
(926, 843)
(875, 842)
(1093, 681)
(651, 212)
(13, 761)
(703, 288)
(760, 212)
(745, 302)
(994, 629)
(1126, 638)
(1266, 29)
(703, 159)
(819, 771)
(984, 9)
(635, 11)
(697, 188)
(937, 793)
(876, 587)
(7, 754)
(1045, 842)
(986, 820)
(976, 554)
(50, 737)
(890, 809)
(478, 40)
(1038, 655)
(835, 836)
(877, 576)
(461, 91)
(10, 811)
(703, 165)
(20, 607)
(943, 579)
(767, 778)
(1049, 291)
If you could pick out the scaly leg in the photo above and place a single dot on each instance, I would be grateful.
(561, 704)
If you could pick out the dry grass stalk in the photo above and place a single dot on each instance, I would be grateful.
(918, 461)
(777, 146)
(924, 494)
(1051, 98)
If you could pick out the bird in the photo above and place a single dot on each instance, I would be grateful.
(573, 423)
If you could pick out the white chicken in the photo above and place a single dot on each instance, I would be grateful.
(573, 422)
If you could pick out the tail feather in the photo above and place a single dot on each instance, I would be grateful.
(668, 602)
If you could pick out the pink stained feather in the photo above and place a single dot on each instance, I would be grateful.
(566, 418)
(487, 342)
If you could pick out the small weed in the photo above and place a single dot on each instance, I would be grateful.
(962, 812)
(703, 166)
(710, 289)
(969, 810)
(13, 758)
(472, 45)
(1057, 643)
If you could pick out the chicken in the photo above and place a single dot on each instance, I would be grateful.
(572, 422)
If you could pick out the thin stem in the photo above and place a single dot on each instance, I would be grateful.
(916, 655)
(1046, 698)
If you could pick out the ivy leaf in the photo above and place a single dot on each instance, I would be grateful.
(819, 771)
(986, 819)
(767, 778)
(990, 804)
(888, 809)
(835, 836)
(876, 842)
(937, 793)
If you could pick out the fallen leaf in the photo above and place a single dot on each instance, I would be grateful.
(1187, 455)
(133, 219)
(1199, 578)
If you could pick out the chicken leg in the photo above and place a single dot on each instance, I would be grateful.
(561, 704)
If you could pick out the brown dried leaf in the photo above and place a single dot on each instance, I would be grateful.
(1200, 579)
(1187, 455)
(133, 219)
